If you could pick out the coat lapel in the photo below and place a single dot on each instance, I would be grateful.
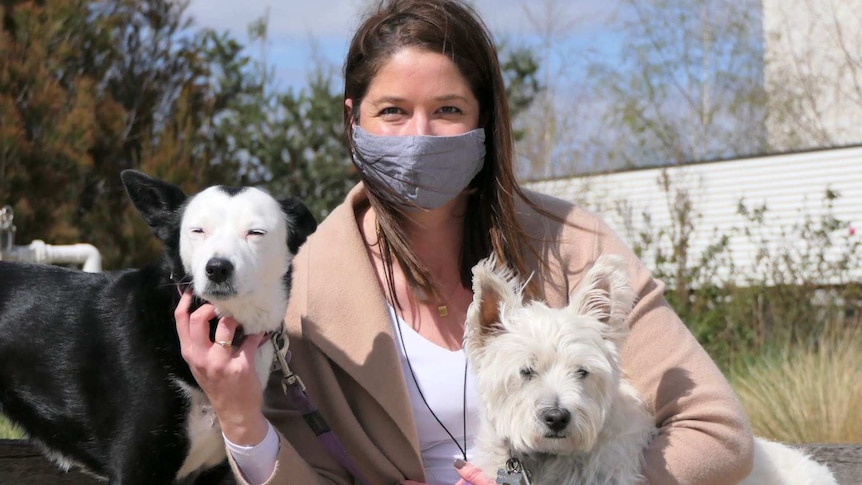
(344, 289)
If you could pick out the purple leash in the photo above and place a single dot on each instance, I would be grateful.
(294, 389)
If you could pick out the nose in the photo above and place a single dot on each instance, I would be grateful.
(420, 124)
(219, 270)
(556, 419)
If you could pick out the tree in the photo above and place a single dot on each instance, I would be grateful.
(290, 142)
(688, 87)
(49, 115)
(813, 73)
(552, 122)
(88, 89)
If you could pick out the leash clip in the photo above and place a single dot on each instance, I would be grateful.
(288, 378)
(513, 474)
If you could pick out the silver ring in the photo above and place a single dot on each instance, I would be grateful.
(226, 344)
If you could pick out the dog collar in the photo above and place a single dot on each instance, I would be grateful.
(267, 337)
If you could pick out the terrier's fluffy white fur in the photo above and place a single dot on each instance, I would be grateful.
(552, 392)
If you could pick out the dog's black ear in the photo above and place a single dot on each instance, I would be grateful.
(302, 222)
(157, 201)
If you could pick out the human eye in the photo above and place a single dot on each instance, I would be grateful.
(450, 110)
(391, 111)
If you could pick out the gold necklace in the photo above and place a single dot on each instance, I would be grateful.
(442, 308)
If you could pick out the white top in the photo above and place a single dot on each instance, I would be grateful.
(439, 373)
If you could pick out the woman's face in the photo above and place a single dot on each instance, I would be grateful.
(418, 92)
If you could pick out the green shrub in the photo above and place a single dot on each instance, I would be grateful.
(802, 278)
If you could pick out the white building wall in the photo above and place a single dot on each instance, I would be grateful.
(790, 186)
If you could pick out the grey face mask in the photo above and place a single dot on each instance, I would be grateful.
(426, 171)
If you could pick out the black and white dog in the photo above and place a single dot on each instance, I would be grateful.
(90, 363)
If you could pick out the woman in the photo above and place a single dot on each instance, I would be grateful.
(380, 293)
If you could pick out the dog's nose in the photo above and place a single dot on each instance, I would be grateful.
(219, 269)
(556, 419)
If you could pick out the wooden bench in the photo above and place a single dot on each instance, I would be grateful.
(22, 464)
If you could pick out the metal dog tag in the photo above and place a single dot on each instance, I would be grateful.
(514, 474)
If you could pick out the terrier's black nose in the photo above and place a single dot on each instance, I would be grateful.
(219, 270)
(556, 419)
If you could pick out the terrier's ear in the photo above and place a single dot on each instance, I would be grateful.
(494, 288)
(605, 294)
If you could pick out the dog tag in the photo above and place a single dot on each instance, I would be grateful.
(514, 474)
(508, 478)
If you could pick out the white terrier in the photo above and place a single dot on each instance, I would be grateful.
(556, 408)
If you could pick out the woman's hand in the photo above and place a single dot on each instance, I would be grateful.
(226, 374)
(470, 475)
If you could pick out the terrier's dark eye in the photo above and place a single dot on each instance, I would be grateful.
(528, 373)
(582, 373)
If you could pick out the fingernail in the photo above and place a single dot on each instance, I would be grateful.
(459, 463)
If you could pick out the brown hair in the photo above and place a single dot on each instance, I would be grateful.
(454, 29)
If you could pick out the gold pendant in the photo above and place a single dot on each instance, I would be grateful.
(443, 310)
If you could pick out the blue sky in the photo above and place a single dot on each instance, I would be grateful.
(302, 31)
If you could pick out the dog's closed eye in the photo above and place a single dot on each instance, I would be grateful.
(582, 373)
(528, 373)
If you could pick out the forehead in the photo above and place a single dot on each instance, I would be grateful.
(552, 328)
(415, 74)
(246, 205)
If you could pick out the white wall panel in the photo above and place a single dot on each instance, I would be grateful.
(792, 186)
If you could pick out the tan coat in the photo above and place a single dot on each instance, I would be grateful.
(342, 346)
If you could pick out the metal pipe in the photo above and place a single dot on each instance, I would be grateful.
(39, 252)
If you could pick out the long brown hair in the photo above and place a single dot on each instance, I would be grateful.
(454, 29)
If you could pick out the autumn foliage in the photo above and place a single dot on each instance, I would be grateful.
(88, 89)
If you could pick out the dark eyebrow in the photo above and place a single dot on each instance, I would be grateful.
(397, 99)
(452, 97)
(389, 100)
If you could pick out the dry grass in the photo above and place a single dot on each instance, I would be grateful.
(8, 430)
(807, 395)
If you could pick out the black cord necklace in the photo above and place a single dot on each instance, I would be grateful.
(396, 307)
(463, 449)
